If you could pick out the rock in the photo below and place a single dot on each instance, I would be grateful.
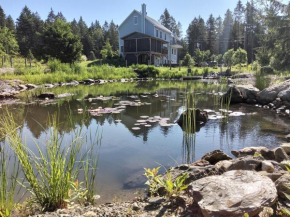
(223, 165)
(215, 156)
(48, 85)
(63, 95)
(22, 87)
(288, 137)
(269, 94)
(233, 194)
(201, 117)
(135, 206)
(273, 176)
(245, 163)
(280, 154)
(156, 200)
(267, 166)
(267, 70)
(284, 164)
(31, 86)
(285, 95)
(90, 214)
(89, 81)
(281, 185)
(286, 147)
(234, 94)
(265, 152)
(200, 163)
(249, 92)
(46, 95)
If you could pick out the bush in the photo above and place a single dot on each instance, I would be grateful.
(188, 61)
(145, 71)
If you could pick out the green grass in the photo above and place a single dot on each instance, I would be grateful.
(51, 173)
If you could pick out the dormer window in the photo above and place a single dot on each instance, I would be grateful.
(156, 32)
(160, 34)
(135, 20)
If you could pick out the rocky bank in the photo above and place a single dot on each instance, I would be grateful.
(252, 183)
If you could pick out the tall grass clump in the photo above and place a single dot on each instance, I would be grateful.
(225, 103)
(189, 128)
(9, 171)
(51, 172)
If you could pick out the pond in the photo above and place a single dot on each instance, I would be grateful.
(124, 152)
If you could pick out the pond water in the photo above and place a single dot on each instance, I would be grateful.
(124, 152)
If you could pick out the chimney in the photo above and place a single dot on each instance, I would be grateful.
(143, 17)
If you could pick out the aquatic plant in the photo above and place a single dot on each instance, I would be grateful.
(50, 173)
(225, 103)
(9, 171)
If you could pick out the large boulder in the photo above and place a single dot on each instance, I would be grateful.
(285, 95)
(241, 93)
(280, 154)
(215, 156)
(250, 151)
(269, 94)
(234, 193)
(201, 117)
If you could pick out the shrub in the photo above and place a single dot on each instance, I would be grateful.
(188, 61)
(145, 71)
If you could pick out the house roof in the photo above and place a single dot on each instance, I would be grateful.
(151, 20)
(138, 35)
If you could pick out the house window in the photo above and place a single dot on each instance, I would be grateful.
(135, 20)
(172, 51)
(156, 33)
(160, 34)
(165, 35)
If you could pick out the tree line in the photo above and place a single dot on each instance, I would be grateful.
(55, 37)
(260, 27)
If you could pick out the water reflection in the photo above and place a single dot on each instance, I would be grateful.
(125, 152)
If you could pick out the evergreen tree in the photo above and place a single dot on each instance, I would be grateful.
(51, 17)
(2, 18)
(196, 35)
(226, 34)
(8, 43)
(184, 50)
(105, 29)
(107, 51)
(60, 16)
(114, 36)
(165, 19)
(211, 34)
(10, 23)
(61, 43)
(74, 27)
(219, 31)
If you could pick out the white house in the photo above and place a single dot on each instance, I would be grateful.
(144, 40)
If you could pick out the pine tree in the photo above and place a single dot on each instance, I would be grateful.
(165, 19)
(196, 35)
(74, 27)
(211, 34)
(2, 18)
(60, 16)
(51, 17)
(226, 34)
(219, 30)
(114, 36)
(10, 23)
(105, 29)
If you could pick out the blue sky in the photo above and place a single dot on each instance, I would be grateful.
(117, 10)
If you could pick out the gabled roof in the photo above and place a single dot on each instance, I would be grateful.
(151, 20)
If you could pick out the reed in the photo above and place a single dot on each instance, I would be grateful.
(51, 173)
(9, 171)
(225, 104)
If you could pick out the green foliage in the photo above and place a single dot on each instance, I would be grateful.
(173, 188)
(152, 182)
(240, 57)
(146, 71)
(201, 56)
(92, 56)
(61, 43)
(8, 43)
(107, 51)
(188, 61)
(228, 58)
(9, 171)
(51, 173)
